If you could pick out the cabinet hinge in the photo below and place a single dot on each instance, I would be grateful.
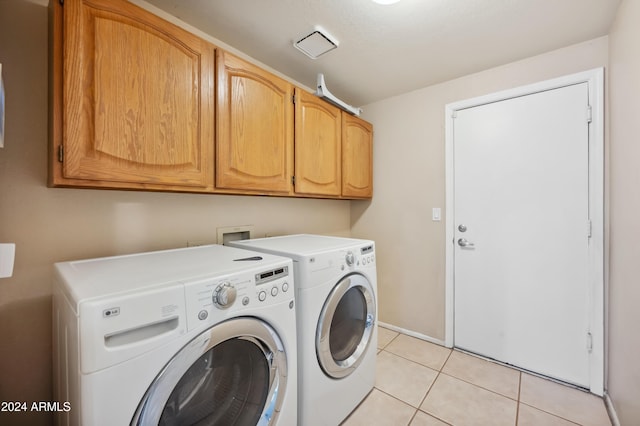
(60, 154)
(61, 2)
(293, 99)
(293, 180)
(589, 114)
(589, 342)
(589, 229)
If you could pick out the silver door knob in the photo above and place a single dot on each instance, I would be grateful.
(464, 243)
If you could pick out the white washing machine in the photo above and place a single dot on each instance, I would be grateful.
(202, 335)
(336, 304)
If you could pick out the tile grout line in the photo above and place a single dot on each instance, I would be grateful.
(431, 387)
(480, 387)
(518, 400)
(399, 400)
(413, 417)
(439, 372)
(551, 414)
(390, 341)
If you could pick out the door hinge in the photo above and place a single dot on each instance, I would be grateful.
(293, 180)
(454, 114)
(589, 229)
(589, 114)
(589, 342)
(60, 154)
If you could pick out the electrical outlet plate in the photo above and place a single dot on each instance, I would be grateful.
(233, 233)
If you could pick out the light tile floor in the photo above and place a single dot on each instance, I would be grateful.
(422, 384)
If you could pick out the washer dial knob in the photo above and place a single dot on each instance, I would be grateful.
(224, 295)
(349, 258)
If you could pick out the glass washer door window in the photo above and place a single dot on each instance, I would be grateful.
(232, 374)
(345, 326)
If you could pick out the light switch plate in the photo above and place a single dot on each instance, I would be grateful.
(7, 256)
(436, 214)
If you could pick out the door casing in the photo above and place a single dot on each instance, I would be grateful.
(595, 80)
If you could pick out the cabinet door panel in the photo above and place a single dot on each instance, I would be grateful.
(317, 146)
(138, 98)
(357, 157)
(255, 128)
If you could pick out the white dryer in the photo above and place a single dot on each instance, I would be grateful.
(202, 335)
(336, 306)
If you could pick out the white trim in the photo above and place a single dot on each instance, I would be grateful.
(595, 80)
(613, 416)
(411, 333)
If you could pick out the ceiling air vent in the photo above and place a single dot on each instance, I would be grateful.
(317, 43)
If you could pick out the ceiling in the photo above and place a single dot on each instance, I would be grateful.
(388, 50)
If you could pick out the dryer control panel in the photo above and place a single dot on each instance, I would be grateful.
(215, 299)
(368, 254)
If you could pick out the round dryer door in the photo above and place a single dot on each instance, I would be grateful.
(232, 374)
(345, 326)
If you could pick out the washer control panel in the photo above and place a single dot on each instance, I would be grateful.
(359, 257)
(214, 299)
(271, 283)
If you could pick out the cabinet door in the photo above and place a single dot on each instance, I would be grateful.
(357, 157)
(317, 146)
(138, 100)
(255, 128)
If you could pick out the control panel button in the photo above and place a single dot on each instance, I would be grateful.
(274, 291)
(262, 296)
(285, 286)
(202, 315)
(245, 301)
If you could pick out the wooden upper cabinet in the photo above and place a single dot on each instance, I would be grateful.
(357, 157)
(254, 128)
(137, 107)
(317, 146)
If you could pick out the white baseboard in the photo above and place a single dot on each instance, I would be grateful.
(611, 410)
(412, 333)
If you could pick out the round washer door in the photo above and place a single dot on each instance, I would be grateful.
(345, 326)
(232, 374)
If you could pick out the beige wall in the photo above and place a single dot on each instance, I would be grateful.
(409, 180)
(624, 281)
(50, 225)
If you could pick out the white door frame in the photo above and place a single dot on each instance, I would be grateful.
(595, 80)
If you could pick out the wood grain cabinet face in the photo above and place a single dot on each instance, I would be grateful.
(357, 157)
(254, 128)
(317, 146)
(138, 100)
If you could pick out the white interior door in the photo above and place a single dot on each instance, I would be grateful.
(521, 218)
